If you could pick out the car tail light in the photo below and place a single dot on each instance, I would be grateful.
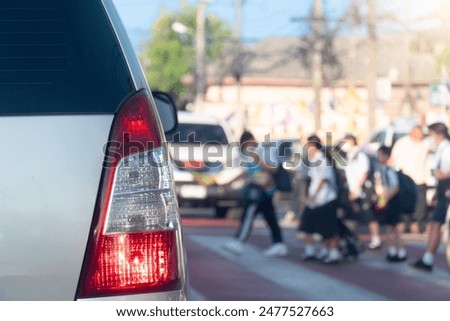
(192, 164)
(132, 246)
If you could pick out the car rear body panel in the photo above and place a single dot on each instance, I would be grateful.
(50, 173)
(52, 137)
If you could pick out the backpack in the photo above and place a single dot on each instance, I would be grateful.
(407, 193)
(282, 180)
(350, 246)
(340, 182)
(340, 187)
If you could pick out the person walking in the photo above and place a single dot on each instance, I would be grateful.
(319, 216)
(440, 135)
(259, 171)
(387, 207)
(409, 155)
(357, 174)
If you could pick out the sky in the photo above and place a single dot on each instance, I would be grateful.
(260, 18)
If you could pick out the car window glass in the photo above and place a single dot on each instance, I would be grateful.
(378, 137)
(198, 133)
(397, 136)
(59, 57)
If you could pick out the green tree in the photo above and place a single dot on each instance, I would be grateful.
(168, 55)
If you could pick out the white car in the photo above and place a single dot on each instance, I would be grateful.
(87, 200)
(206, 158)
(386, 137)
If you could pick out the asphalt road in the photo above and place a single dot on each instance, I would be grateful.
(216, 274)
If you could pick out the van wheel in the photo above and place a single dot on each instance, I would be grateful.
(221, 212)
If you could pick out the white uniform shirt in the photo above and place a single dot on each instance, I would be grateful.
(443, 157)
(319, 171)
(358, 164)
(410, 156)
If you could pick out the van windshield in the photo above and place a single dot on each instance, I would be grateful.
(198, 133)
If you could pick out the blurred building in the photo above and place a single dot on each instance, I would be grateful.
(277, 96)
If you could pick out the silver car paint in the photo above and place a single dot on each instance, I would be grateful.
(49, 179)
(140, 82)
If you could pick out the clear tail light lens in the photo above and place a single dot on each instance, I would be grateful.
(132, 247)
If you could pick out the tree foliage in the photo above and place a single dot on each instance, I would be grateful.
(168, 55)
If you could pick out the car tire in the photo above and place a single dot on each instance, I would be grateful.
(221, 212)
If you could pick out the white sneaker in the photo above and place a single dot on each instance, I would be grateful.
(374, 245)
(234, 246)
(322, 254)
(277, 250)
(330, 260)
(333, 258)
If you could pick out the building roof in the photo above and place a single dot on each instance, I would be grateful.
(278, 61)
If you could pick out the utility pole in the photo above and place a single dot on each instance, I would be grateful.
(200, 55)
(354, 17)
(240, 109)
(372, 65)
(317, 61)
(409, 99)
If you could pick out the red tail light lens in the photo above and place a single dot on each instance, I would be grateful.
(132, 248)
(133, 263)
(194, 164)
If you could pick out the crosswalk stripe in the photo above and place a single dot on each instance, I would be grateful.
(307, 283)
(439, 277)
(423, 246)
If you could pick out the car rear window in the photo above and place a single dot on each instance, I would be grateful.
(59, 57)
(198, 133)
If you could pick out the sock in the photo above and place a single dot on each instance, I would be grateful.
(334, 254)
(428, 258)
(401, 253)
(392, 250)
(376, 239)
(323, 251)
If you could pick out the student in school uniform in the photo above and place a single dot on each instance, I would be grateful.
(387, 207)
(319, 216)
(440, 135)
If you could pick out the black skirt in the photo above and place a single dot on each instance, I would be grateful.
(321, 220)
(389, 215)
